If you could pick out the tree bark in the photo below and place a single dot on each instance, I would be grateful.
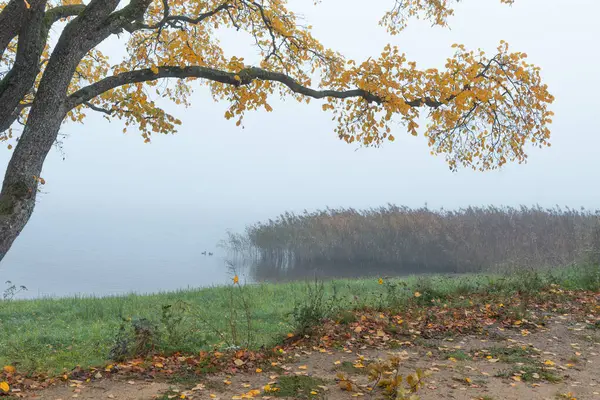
(20, 79)
(19, 189)
(11, 18)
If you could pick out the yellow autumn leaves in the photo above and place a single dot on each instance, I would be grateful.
(482, 110)
(4, 386)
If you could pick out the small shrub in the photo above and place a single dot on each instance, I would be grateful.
(425, 291)
(136, 337)
(396, 294)
(315, 306)
(311, 310)
(173, 318)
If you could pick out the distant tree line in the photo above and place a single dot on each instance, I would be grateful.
(401, 240)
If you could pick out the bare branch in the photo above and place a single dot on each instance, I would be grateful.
(96, 108)
(175, 20)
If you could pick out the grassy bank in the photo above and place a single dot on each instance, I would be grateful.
(49, 335)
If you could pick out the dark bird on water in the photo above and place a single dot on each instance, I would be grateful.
(210, 254)
(203, 253)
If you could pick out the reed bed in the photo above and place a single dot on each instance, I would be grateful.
(403, 240)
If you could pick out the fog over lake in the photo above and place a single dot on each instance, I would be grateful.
(117, 215)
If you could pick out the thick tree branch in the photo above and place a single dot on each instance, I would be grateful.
(57, 13)
(246, 76)
(19, 80)
(11, 18)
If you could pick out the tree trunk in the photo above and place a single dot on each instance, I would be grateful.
(19, 189)
(17, 199)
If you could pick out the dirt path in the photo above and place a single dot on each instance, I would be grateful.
(561, 360)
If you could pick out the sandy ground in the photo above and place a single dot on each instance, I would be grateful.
(568, 350)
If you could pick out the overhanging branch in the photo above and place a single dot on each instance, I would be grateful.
(244, 77)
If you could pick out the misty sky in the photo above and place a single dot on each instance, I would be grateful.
(117, 213)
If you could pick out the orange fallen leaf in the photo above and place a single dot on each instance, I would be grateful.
(4, 387)
(9, 369)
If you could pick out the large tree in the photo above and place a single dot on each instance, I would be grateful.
(482, 111)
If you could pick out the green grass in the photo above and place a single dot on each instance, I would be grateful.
(459, 355)
(349, 368)
(511, 355)
(49, 335)
(531, 373)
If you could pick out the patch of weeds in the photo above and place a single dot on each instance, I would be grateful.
(396, 293)
(298, 387)
(349, 368)
(594, 338)
(594, 326)
(530, 373)
(511, 355)
(425, 291)
(574, 360)
(346, 317)
(169, 394)
(136, 338)
(187, 379)
(173, 317)
(458, 355)
(588, 277)
(425, 343)
(315, 307)
(205, 366)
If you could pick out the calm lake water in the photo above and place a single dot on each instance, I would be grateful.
(69, 253)
(86, 254)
